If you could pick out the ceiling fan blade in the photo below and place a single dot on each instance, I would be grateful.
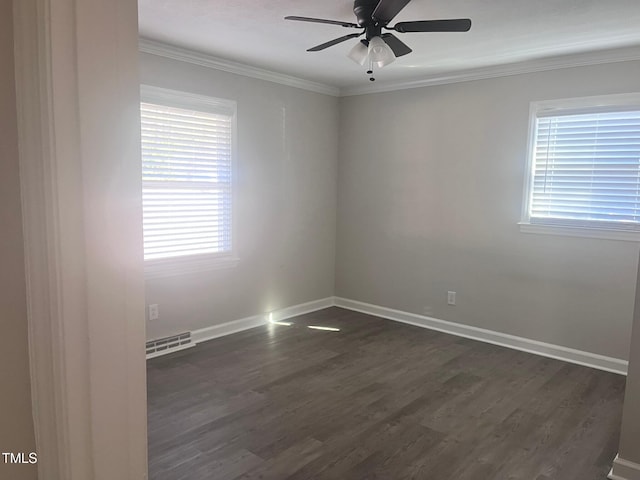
(322, 20)
(455, 25)
(388, 9)
(399, 48)
(333, 42)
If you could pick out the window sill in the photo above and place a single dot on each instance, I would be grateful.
(186, 265)
(584, 232)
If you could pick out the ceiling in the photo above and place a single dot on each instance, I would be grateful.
(254, 32)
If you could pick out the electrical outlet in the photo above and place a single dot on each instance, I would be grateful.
(154, 311)
(451, 298)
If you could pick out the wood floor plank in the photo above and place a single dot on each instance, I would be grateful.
(375, 400)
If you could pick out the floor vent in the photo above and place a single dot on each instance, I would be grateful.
(164, 346)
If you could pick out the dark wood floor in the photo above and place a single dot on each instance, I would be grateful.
(376, 400)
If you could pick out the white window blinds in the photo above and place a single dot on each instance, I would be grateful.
(586, 170)
(187, 181)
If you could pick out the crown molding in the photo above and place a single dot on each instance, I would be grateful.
(599, 57)
(177, 53)
(544, 64)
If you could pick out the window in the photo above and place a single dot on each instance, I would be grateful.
(584, 175)
(187, 180)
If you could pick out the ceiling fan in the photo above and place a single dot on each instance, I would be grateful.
(378, 48)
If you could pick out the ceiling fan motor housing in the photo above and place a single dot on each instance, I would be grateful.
(363, 10)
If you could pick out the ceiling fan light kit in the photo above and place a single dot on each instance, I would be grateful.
(380, 54)
(372, 17)
(359, 53)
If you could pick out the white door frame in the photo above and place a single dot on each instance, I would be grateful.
(78, 103)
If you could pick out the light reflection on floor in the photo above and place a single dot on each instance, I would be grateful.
(312, 327)
(329, 329)
(284, 324)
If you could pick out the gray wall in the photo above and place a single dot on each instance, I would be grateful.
(16, 423)
(429, 196)
(287, 161)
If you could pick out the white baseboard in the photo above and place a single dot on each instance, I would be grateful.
(302, 308)
(624, 470)
(570, 355)
(235, 326)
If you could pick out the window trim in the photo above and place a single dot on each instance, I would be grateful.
(188, 264)
(569, 106)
